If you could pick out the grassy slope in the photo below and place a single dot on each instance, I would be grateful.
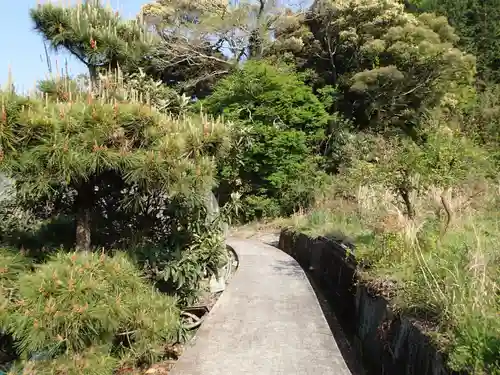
(450, 280)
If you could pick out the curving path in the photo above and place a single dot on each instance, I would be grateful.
(267, 321)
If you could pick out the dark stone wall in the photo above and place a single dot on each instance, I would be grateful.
(387, 343)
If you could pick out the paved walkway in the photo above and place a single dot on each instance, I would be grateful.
(267, 322)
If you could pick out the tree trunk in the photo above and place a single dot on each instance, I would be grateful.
(83, 229)
(447, 209)
(405, 195)
(93, 77)
(83, 213)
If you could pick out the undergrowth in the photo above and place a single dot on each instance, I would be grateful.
(85, 313)
(448, 278)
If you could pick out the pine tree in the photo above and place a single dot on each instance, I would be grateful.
(94, 34)
(80, 152)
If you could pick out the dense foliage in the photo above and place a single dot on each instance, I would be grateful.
(366, 114)
(76, 153)
(79, 303)
(389, 66)
(477, 23)
(287, 125)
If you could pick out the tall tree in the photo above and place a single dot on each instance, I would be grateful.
(79, 154)
(202, 41)
(94, 34)
(389, 65)
(477, 22)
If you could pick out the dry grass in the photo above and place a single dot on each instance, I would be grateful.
(450, 278)
(258, 228)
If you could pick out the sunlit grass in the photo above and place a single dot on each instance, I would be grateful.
(451, 280)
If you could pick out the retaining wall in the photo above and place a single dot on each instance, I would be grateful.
(387, 343)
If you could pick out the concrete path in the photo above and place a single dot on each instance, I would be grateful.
(267, 322)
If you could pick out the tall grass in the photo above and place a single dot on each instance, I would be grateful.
(447, 277)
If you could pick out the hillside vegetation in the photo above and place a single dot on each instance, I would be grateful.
(374, 120)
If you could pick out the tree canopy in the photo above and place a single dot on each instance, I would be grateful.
(288, 124)
(202, 42)
(48, 145)
(477, 22)
(389, 65)
(96, 35)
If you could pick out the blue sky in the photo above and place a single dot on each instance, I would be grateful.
(23, 49)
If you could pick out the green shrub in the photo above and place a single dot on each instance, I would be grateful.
(179, 270)
(94, 361)
(81, 300)
(279, 166)
(270, 95)
(12, 265)
(481, 122)
(277, 171)
(255, 206)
